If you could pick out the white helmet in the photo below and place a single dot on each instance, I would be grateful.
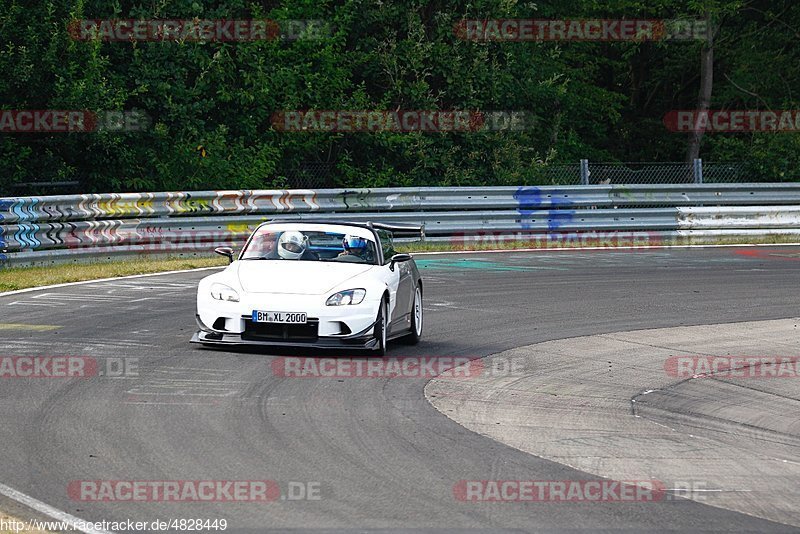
(292, 245)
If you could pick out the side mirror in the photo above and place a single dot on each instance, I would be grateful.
(225, 251)
(397, 258)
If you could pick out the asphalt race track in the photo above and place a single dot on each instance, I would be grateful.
(378, 454)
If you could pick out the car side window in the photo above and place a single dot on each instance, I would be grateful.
(387, 245)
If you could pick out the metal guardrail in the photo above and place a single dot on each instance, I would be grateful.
(71, 228)
(203, 203)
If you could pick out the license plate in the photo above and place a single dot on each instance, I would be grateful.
(279, 317)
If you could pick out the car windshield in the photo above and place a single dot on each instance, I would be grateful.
(309, 245)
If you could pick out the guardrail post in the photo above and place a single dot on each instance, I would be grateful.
(698, 171)
(584, 172)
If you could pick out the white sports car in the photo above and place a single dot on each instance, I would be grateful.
(312, 284)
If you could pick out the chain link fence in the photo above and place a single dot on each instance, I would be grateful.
(324, 175)
(316, 175)
(726, 173)
(308, 175)
(640, 173)
(665, 173)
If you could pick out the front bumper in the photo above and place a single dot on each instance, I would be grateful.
(332, 321)
(359, 340)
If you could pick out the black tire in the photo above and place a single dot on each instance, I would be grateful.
(381, 329)
(417, 321)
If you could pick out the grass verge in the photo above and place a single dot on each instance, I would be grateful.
(25, 277)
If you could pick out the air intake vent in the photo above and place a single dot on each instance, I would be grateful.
(344, 329)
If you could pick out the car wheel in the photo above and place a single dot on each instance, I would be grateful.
(381, 329)
(416, 319)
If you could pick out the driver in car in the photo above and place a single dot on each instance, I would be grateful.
(355, 249)
(263, 245)
(293, 245)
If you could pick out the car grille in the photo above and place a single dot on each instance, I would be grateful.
(308, 332)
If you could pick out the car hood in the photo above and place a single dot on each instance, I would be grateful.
(295, 277)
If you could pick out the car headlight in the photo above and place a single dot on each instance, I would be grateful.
(350, 296)
(223, 292)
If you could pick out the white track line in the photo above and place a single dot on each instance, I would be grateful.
(48, 510)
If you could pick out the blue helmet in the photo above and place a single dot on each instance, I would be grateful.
(353, 243)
